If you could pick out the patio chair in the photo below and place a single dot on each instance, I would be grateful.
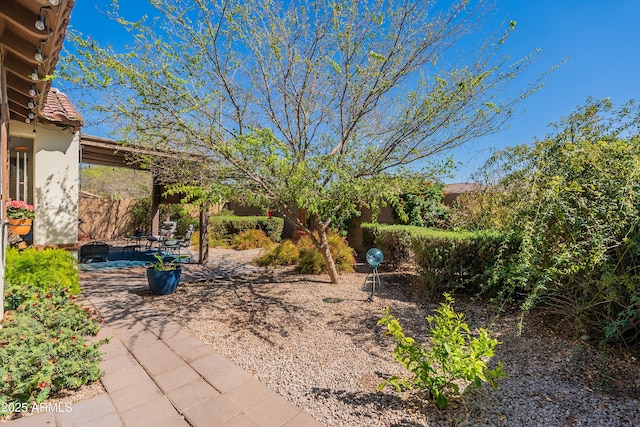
(176, 246)
(167, 230)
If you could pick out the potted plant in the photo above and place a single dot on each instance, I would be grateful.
(20, 215)
(163, 277)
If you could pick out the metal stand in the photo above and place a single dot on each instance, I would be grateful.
(375, 277)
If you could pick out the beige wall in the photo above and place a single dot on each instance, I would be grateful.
(55, 182)
(104, 219)
(354, 234)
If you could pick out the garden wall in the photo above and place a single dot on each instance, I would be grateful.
(354, 234)
(104, 219)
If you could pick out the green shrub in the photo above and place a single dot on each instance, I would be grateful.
(311, 260)
(452, 355)
(422, 207)
(446, 260)
(577, 216)
(43, 348)
(393, 240)
(41, 270)
(286, 253)
(251, 239)
(225, 227)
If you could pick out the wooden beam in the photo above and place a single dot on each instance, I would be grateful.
(21, 69)
(19, 15)
(21, 48)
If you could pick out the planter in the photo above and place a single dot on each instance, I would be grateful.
(20, 226)
(163, 282)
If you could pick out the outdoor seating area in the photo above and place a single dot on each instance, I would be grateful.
(131, 252)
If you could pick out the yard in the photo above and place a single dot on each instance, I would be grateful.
(318, 345)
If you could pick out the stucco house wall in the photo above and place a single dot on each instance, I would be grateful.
(55, 182)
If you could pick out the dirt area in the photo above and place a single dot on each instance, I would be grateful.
(318, 345)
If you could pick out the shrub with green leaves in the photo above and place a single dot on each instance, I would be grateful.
(286, 253)
(452, 355)
(448, 260)
(422, 207)
(393, 240)
(445, 259)
(577, 215)
(43, 348)
(41, 270)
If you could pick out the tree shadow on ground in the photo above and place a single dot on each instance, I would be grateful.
(383, 402)
(254, 307)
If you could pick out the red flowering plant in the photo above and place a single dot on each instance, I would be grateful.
(19, 209)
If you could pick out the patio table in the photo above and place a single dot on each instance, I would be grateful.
(134, 246)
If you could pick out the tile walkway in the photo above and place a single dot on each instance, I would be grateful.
(157, 374)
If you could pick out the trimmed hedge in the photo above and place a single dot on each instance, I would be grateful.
(225, 227)
(446, 260)
(393, 240)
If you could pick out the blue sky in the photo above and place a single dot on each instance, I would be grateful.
(601, 39)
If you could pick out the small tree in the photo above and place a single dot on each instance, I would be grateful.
(451, 357)
(303, 105)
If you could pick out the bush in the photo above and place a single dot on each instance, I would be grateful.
(307, 257)
(250, 239)
(311, 260)
(446, 260)
(423, 207)
(453, 355)
(286, 253)
(43, 348)
(393, 240)
(41, 270)
(225, 227)
(578, 221)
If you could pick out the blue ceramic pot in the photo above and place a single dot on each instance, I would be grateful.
(163, 282)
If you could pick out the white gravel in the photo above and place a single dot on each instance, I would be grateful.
(328, 358)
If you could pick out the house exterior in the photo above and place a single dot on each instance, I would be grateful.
(39, 128)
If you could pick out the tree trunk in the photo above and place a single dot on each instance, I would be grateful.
(326, 254)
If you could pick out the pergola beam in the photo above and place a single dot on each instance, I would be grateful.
(107, 152)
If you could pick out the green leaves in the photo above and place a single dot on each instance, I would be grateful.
(451, 355)
(44, 347)
(575, 205)
(310, 107)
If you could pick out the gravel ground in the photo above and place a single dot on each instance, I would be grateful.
(328, 357)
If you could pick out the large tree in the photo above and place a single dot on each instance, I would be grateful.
(305, 104)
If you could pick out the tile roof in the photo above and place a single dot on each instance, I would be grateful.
(59, 109)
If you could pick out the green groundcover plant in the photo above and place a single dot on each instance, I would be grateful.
(451, 356)
(43, 348)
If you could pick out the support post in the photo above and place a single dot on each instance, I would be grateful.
(155, 208)
(203, 250)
